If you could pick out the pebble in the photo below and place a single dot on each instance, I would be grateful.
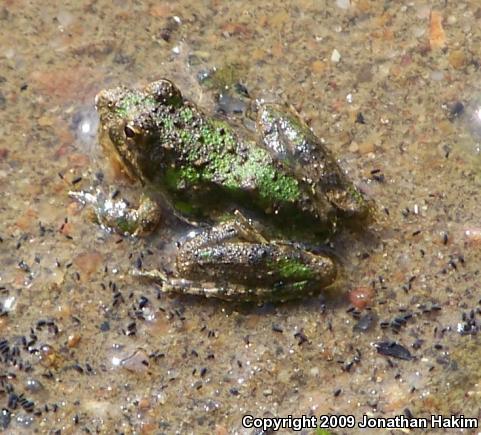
(137, 362)
(73, 340)
(353, 147)
(343, 4)
(437, 75)
(335, 56)
(366, 322)
(33, 385)
(457, 59)
(361, 297)
(24, 420)
(472, 236)
(437, 38)
(366, 147)
(5, 418)
(318, 66)
(88, 262)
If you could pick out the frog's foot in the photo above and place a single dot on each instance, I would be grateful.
(116, 215)
(155, 275)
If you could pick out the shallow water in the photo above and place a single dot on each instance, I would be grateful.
(80, 347)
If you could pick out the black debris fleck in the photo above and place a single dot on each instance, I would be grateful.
(360, 118)
(301, 337)
(365, 322)
(391, 348)
(456, 109)
(277, 328)
(5, 417)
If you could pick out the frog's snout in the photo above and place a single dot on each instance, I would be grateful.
(102, 99)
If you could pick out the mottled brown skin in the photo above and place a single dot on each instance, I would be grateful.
(203, 168)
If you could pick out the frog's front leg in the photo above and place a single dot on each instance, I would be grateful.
(227, 261)
(115, 214)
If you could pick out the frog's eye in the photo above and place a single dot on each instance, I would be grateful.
(129, 132)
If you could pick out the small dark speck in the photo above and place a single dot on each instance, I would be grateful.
(105, 326)
(302, 338)
(24, 266)
(393, 349)
(415, 233)
(456, 109)
(76, 180)
(234, 391)
(122, 59)
(366, 322)
(24, 87)
(277, 328)
(337, 392)
(360, 118)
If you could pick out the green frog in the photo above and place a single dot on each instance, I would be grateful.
(263, 197)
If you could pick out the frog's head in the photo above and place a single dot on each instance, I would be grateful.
(131, 121)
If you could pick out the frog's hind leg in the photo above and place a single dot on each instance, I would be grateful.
(239, 228)
(208, 290)
(283, 292)
(252, 271)
(234, 261)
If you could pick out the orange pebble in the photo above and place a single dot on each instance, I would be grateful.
(361, 297)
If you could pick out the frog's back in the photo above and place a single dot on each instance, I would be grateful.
(213, 169)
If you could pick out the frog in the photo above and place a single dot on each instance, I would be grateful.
(261, 195)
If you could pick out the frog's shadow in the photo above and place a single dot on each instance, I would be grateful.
(320, 303)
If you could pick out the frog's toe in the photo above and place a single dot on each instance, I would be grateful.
(153, 275)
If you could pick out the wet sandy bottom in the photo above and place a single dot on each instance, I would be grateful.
(392, 88)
